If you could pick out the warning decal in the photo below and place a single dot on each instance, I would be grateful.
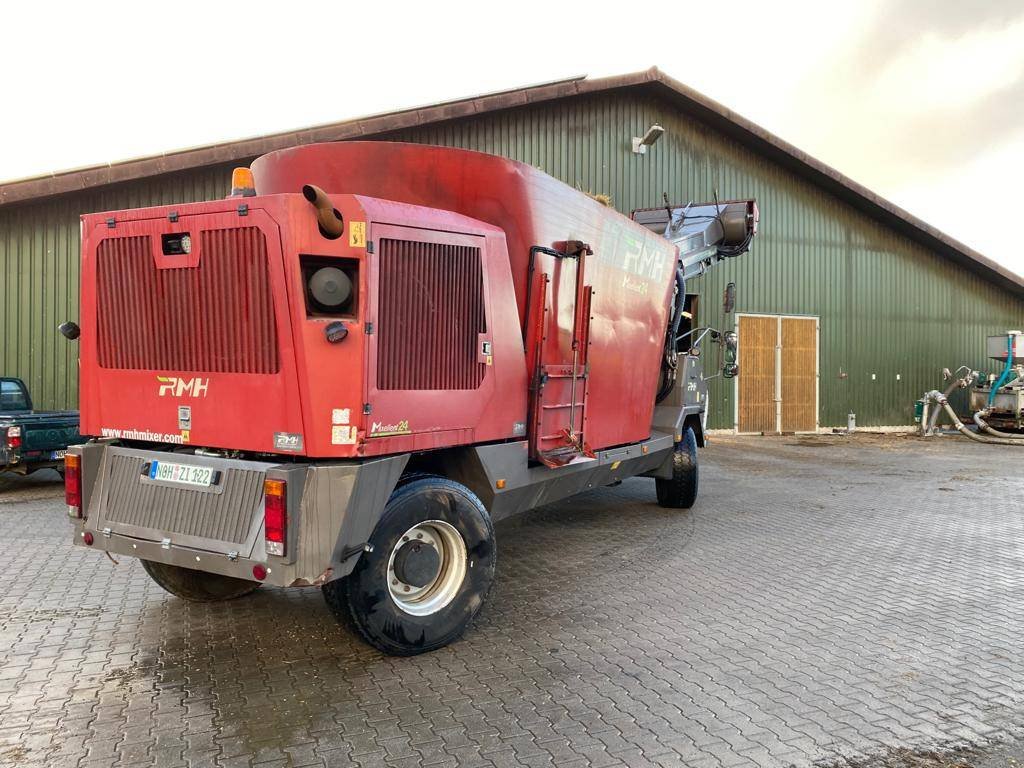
(357, 234)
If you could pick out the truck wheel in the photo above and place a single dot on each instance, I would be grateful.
(198, 586)
(681, 491)
(428, 575)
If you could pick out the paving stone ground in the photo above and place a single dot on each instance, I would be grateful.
(828, 600)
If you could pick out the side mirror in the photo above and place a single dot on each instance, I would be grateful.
(69, 330)
(729, 299)
(731, 342)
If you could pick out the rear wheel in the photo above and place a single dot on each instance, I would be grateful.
(198, 586)
(428, 574)
(680, 492)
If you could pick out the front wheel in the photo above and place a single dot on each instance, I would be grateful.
(428, 574)
(197, 586)
(680, 492)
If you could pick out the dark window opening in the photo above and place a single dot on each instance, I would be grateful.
(13, 396)
(331, 286)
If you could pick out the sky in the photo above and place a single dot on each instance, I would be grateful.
(921, 101)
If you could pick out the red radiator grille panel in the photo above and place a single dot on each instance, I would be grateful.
(216, 317)
(431, 315)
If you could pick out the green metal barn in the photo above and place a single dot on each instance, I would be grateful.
(846, 304)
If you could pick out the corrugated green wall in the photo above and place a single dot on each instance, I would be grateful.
(887, 306)
(39, 260)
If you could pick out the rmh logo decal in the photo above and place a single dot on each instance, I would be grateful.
(178, 387)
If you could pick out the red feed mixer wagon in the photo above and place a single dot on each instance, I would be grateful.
(345, 372)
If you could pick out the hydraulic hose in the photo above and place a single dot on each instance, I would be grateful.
(680, 306)
(670, 370)
(1006, 371)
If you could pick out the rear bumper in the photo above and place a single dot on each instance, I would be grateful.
(332, 509)
(11, 462)
(200, 560)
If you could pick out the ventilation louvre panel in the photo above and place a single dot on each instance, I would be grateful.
(431, 314)
(216, 317)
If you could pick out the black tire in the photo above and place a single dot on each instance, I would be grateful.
(198, 586)
(411, 477)
(681, 491)
(364, 600)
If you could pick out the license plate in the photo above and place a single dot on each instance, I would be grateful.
(181, 473)
(54, 455)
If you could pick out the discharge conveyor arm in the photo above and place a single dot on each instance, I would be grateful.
(706, 233)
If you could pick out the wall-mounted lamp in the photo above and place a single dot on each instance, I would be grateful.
(641, 143)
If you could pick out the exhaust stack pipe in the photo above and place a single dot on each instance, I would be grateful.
(327, 216)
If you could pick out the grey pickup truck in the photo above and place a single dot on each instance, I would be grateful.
(31, 440)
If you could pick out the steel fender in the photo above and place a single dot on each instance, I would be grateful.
(93, 455)
(674, 419)
(697, 419)
(341, 506)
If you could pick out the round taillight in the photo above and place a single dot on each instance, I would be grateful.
(87, 538)
(259, 572)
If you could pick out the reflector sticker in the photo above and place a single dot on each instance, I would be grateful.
(343, 435)
(184, 417)
(341, 415)
(357, 234)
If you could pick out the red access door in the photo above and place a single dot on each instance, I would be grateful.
(429, 371)
(558, 339)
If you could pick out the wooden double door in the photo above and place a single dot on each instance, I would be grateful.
(777, 386)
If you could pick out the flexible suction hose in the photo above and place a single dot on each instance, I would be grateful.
(979, 419)
(930, 415)
(962, 428)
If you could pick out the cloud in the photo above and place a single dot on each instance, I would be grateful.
(979, 204)
(918, 102)
(921, 89)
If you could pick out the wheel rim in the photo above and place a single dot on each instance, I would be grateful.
(441, 590)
